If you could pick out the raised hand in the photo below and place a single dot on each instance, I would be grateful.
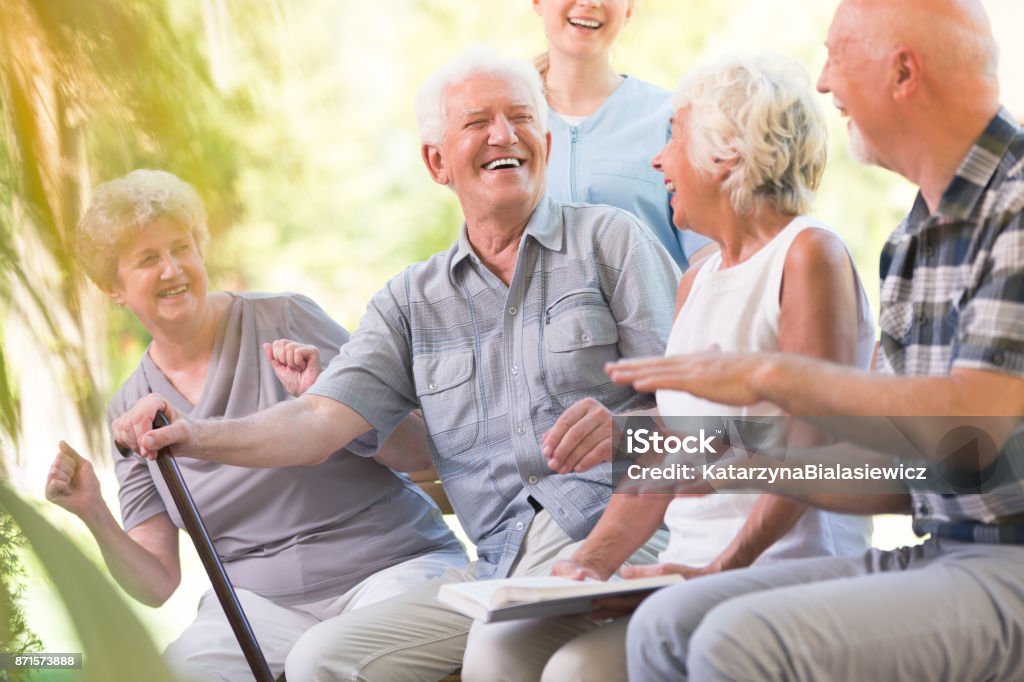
(296, 365)
(580, 439)
(72, 484)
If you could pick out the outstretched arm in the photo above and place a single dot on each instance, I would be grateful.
(263, 439)
(810, 387)
(813, 384)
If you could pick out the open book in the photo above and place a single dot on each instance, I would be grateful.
(512, 598)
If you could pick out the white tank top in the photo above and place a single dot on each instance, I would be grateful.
(738, 310)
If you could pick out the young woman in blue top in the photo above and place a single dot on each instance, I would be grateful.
(605, 127)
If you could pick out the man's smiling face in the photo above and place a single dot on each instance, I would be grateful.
(856, 76)
(494, 150)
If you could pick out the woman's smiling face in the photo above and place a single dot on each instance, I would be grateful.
(583, 28)
(160, 275)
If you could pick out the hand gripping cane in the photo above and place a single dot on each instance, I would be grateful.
(211, 562)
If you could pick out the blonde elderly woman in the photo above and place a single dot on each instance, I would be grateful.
(747, 151)
(304, 545)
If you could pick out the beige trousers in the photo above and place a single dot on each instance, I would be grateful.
(412, 637)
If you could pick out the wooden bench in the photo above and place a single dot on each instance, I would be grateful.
(428, 482)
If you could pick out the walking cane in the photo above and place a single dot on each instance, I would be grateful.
(211, 562)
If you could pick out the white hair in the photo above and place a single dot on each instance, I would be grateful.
(431, 99)
(122, 208)
(760, 113)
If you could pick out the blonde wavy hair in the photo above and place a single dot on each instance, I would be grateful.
(123, 208)
(759, 113)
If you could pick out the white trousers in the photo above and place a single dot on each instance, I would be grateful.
(207, 650)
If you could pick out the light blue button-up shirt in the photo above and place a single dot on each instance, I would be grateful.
(493, 366)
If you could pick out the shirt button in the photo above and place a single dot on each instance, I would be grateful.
(515, 370)
(923, 510)
(519, 525)
(532, 480)
(922, 320)
(512, 310)
(432, 386)
(521, 430)
(584, 338)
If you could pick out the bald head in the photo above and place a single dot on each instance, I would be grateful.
(952, 37)
(917, 79)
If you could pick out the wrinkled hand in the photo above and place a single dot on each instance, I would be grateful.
(617, 607)
(297, 365)
(134, 428)
(652, 570)
(580, 439)
(719, 377)
(567, 568)
(72, 484)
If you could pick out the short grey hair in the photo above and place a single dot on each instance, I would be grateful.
(123, 208)
(760, 112)
(431, 99)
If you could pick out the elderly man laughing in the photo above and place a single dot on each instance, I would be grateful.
(917, 80)
(492, 340)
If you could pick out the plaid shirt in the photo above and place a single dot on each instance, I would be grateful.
(953, 297)
(492, 367)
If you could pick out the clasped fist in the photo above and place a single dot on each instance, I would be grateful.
(297, 365)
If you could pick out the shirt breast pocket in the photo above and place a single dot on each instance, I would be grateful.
(580, 336)
(447, 395)
(895, 315)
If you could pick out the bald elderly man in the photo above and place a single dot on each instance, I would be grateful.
(916, 80)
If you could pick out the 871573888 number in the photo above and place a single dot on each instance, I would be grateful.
(40, 661)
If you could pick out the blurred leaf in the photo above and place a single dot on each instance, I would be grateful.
(114, 642)
(89, 91)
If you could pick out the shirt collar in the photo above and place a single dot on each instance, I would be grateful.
(976, 170)
(625, 91)
(545, 226)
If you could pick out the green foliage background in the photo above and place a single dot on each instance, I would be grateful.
(294, 120)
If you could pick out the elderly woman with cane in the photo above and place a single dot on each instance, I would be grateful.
(303, 545)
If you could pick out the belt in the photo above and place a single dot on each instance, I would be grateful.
(990, 533)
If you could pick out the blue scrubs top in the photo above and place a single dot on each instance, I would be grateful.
(606, 159)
